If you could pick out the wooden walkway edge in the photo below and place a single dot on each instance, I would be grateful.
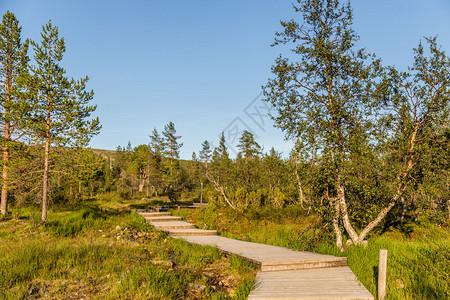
(283, 273)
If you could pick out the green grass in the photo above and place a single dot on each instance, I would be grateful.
(418, 263)
(98, 252)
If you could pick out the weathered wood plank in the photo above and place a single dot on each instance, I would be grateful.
(190, 232)
(153, 214)
(270, 258)
(327, 283)
(172, 225)
(162, 219)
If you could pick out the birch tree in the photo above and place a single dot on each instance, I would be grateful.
(322, 94)
(327, 98)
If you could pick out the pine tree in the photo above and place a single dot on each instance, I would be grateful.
(81, 165)
(194, 157)
(196, 174)
(156, 142)
(221, 152)
(248, 146)
(205, 153)
(60, 105)
(172, 147)
(14, 109)
(141, 164)
(155, 165)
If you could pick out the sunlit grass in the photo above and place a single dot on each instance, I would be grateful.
(99, 252)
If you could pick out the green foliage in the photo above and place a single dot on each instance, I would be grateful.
(221, 151)
(359, 126)
(205, 152)
(57, 98)
(14, 109)
(13, 71)
(248, 146)
(170, 142)
(320, 96)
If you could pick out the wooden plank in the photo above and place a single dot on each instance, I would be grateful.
(382, 266)
(172, 225)
(190, 232)
(162, 219)
(154, 214)
(318, 284)
(270, 258)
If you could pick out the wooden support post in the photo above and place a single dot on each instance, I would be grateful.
(382, 266)
(201, 195)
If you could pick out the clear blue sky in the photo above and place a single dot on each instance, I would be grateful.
(201, 63)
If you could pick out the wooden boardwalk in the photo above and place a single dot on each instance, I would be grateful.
(283, 273)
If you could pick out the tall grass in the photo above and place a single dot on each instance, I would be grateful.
(100, 253)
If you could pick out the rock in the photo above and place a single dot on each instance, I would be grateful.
(199, 287)
(163, 262)
(400, 284)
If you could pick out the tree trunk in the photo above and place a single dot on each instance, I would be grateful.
(448, 207)
(401, 187)
(299, 184)
(343, 208)
(5, 173)
(337, 213)
(382, 214)
(404, 206)
(45, 181)
(141, 183)
(220, 189)
(46, 154)
(4, 197)
(148, 178)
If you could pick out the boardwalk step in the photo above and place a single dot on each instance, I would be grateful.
(190, 232)
(154, 214)
(172, 225)
(313, 284)
(270, 258)
(162, 219)
(197, 204)
(303, 264)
